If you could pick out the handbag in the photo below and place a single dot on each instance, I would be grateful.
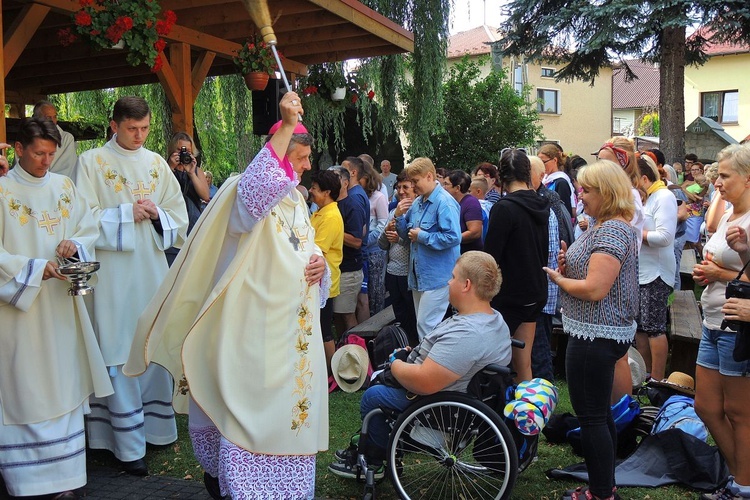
(739, 289)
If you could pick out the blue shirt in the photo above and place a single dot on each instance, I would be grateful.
(355, 210)
(433, 255)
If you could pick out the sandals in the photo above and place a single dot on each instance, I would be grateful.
(583, 493)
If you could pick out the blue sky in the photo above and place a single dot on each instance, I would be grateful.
(472, 13)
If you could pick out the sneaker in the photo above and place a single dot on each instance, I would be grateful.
(721, 494)
(351, 470)
(346, 454)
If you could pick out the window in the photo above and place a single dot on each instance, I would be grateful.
(518, 80)
(616, 124)
(722, 107)
(548, 72)
(548, 101)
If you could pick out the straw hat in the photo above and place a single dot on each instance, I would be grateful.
(678, 381)
(349, 366)
(637, 367)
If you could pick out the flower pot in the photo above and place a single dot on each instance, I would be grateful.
(119, 45)
(338, 94)
(256, 80)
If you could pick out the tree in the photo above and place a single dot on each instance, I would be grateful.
(586, 35)
(481, 117)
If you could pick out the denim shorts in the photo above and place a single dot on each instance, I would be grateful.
(715, 353)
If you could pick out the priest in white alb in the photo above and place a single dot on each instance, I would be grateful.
(65, 156)
(141, 212)
(50, 362)
(237, 322)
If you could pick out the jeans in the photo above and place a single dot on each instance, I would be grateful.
(378, 429)
(430, 307)
(590, 371)
(541, 355)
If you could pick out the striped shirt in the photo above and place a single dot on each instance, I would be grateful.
(613, 317)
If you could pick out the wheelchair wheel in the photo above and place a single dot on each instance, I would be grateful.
(452, 447)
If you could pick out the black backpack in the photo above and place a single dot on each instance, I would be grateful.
(388, 339)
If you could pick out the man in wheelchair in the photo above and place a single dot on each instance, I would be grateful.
(445, 360)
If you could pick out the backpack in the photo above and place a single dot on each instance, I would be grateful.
(388, 339)
(624, 413)
(678, 412)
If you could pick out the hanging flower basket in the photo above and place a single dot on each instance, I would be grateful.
(256, 80)
(135, 24)
(339, 94)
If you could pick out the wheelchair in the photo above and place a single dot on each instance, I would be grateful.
(453, 445)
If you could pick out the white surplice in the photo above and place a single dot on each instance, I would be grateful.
(65, 159)
(133, 266)
(48, 365)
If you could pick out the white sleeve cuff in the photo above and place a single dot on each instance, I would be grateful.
(169, 228)
(117, 232)
(21, 291)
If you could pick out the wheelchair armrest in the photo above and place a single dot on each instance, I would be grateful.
(494, 369)
(519, 344)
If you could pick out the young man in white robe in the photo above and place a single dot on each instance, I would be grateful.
(242, 338)
(65, 159)
(141, 212)
(50, 362)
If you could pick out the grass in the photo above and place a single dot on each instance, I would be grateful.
(177, 460)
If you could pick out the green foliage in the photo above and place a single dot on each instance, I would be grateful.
(324, 79)
(482, 116)
(649, 124)
(223, 130)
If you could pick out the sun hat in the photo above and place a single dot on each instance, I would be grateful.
(678, 381)
(298, 129)
(637, 367)
(349, 366)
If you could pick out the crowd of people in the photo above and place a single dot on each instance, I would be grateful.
(284, 274)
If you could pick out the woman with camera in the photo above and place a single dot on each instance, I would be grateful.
(181, 157)
(722, 384)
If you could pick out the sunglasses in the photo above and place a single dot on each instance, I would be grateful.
(504, 150)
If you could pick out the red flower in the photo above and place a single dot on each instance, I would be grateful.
(66, 37)
(371, 95)
(312, 89)
(125, 23)
(355, 98)
(160, 44)
(83, 18)
(95, 32)
(85, 3)
(170, 17)
(164, 26)
(114, 33)
(158, 63)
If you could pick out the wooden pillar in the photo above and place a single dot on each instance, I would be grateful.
(182, 82)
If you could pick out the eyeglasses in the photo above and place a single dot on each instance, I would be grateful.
(696, 169)
(547, 160)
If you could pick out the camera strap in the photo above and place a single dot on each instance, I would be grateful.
(739, 276)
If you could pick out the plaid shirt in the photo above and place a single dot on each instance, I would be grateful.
(554, 247)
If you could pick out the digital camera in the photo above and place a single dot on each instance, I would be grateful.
(740, 290)
(185, 157)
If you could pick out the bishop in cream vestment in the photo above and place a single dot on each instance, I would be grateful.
(50, 362)
(237, 324)
(133, 266)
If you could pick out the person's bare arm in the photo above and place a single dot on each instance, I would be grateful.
(427, 378)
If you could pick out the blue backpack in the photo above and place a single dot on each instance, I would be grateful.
(678, 412)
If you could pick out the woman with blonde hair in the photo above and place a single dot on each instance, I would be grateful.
(721, 383)
(598, 279)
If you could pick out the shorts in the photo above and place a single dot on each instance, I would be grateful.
(349, 285)
(514, 315)
(715, 353)
(365, 275)
(652, 307)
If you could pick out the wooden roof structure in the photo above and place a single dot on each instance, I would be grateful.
(201, 44)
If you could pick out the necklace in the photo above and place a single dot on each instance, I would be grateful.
(293, 239)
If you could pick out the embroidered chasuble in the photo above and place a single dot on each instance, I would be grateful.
(132, 258)
(239, 328)
(49, 359)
